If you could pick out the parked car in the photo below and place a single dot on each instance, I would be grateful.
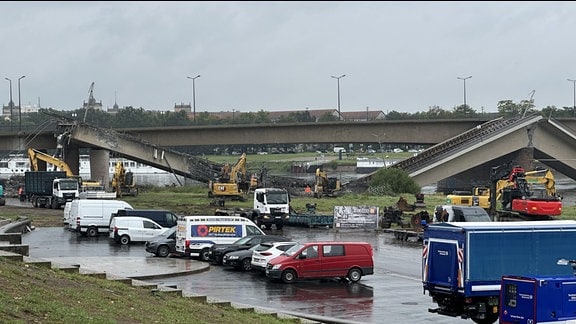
(217, 251)
(162, 245)
(323, 260)
(125, 230)
(270, 250)
(242, 259)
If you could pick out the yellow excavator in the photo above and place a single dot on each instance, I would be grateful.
(234, 182)
(326, 186)
(123, 182)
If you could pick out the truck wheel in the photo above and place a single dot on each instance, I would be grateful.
(354, 275)
(54, 204)
(125, 240)
(204, 255)
(289, 276)
(92, 231)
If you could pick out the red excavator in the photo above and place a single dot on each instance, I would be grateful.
(512, 197)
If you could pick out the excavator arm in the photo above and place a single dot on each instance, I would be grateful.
(34, 156)
(544, 177)
(239, 169)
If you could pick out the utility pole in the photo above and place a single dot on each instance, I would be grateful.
(574, 102)
(338, 82)
(464, 79)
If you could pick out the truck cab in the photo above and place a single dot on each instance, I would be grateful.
(272, 207)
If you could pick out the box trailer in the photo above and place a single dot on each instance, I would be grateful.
(463, 262)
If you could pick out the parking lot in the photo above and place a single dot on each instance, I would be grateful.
(392, 295)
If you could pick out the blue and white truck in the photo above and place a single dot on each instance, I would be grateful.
(463, 262)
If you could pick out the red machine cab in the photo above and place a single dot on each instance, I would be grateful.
(317, 260)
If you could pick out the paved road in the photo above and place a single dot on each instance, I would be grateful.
(392, 295)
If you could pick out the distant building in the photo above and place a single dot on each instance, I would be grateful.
(363, 115)
(183, 107)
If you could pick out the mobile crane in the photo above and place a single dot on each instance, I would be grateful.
(233, 182)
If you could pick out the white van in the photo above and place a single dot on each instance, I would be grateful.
(67, 218)
(92, 216)
(196, 234)
(128, 229)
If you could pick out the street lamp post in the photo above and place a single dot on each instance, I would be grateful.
(574, 104)
(194, 96)
(11, 104)
(464, 79)
(338, 82)
(19, 105)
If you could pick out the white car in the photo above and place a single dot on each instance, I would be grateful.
(261, 257)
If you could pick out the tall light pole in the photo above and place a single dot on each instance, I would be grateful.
(338, 82)
(574, 104)
(19, 105)
(464, 79)
(194, 96)
(11, 104)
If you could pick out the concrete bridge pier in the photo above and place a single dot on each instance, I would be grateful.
(72, 158)
(99, 166)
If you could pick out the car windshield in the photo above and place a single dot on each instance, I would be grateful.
(294, 249)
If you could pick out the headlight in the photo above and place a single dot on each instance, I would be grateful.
(232, 257)
(277, 266)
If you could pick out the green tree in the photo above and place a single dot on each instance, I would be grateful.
(507, 108)
(327, 117)
(394, 181)
(463, 111)
(395, 115)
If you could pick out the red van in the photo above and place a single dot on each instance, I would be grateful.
(316, 260)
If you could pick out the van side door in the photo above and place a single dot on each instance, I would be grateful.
(148, 230)
(334, 260)
(309, 265)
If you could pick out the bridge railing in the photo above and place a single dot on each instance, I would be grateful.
(448, 147)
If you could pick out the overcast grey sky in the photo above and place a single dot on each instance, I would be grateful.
(402, 56)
